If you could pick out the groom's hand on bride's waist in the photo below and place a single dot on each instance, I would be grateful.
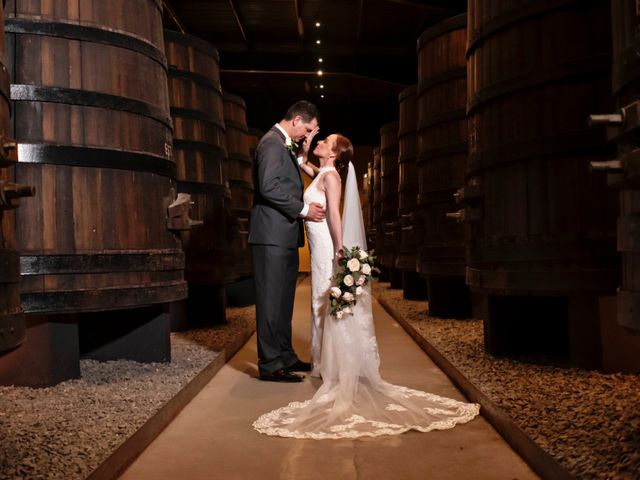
(316, 212)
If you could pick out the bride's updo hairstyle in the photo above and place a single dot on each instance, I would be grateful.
(344, 153)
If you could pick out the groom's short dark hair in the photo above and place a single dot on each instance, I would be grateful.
(307, 110)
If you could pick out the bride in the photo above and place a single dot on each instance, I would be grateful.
(353, 401)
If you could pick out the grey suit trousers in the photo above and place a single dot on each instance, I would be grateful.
(275, 272)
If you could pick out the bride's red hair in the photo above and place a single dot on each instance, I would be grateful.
(344, 153)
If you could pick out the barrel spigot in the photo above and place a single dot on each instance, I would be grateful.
(10, 194)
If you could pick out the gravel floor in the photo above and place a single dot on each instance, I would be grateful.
(588, 421)
(66, 431)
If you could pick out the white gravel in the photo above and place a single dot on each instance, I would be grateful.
(66, 431)
(588, 421)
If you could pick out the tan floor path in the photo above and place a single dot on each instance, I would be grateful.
(212, 437)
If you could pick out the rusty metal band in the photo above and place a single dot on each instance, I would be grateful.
(559, 144)
(578, 69)
(103, 299)
(449, 75)
(191, 41)
(228, 97)
(85, 33)
(543, 281)
(446, 26)
(95, 158)
(198, 78)
(193, 114)
(203, 188)
(85, 98)
(517, 15)
(101, 263)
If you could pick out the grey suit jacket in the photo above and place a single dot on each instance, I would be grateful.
(278, 190)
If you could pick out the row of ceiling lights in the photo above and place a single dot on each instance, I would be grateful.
(320, 60)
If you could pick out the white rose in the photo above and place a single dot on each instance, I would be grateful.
(359, 291)
(339, 314)
(346, 310)
(348, 297)
(336, 292)
(353, 264)
(287, 142)
(348, 280)
(363, 255)
(366, 269)
(361, 280)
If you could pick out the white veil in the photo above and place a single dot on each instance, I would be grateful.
(352, 222)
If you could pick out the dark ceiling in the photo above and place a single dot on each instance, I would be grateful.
(269, 55)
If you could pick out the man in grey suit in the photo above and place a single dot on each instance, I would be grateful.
(276, 232)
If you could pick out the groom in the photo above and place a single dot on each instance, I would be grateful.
(275, 234)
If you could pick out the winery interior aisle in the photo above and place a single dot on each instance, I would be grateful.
(212, 438)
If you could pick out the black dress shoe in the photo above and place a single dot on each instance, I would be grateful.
(281, 375)
(299, 366)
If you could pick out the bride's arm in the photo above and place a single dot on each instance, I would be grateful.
(307, 167)
(332, 188)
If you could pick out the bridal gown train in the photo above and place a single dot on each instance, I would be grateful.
(353, 401)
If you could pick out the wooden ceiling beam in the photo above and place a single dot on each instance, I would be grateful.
(300, 25)
(174, 16)
(239, 22)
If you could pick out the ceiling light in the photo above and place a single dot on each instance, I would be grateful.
(318, 42)
(317, 24)
(320, 60)
(321, 96)
(320, 73)
(321, 86)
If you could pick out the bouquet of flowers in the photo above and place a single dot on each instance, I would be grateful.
(356, 268)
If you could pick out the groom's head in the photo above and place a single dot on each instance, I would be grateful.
(301, 118)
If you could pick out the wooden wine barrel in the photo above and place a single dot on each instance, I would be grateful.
(253, 138)
(94, 131)
(442, 145)
(199, 151)
(408, 178)
(12, 325)
(541, 228)
(238, 169)
(389, 194)
(626, 89)
(413, 285)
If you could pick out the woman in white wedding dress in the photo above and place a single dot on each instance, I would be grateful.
(353, 401)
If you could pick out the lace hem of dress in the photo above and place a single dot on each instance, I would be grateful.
(275, 422)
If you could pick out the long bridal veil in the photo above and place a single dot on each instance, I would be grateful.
(354, 401)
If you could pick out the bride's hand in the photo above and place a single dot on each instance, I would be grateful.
(339, 254)
(307, 141)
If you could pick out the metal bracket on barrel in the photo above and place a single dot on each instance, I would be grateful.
(178, 213)
(8, 151)
(468, 194)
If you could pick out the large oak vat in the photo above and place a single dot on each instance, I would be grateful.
(94, 137)
(238, 168)
(442, 145)
(541, 228)
(389, 225)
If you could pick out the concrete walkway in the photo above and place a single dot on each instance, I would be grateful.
(212, 438)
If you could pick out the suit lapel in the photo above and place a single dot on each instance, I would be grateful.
(289, 154)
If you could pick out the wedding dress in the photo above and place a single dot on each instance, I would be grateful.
(354, 401)
(320, 242)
